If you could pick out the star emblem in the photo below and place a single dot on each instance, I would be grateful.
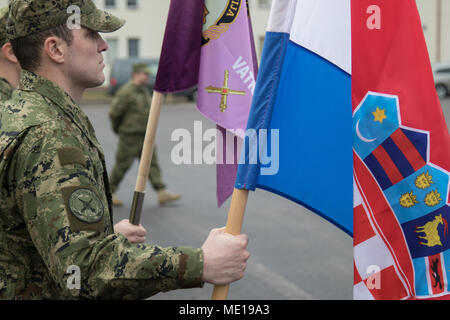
(379, 115)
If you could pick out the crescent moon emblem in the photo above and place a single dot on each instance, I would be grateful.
(360, 136)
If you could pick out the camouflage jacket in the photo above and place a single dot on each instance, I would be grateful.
(130, 109)
(56, 223)
(5, 90)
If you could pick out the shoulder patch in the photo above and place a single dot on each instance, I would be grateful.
(85, 208)
(68, 156)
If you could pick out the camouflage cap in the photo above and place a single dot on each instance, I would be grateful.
(29, 17)
(3, 18)
(141, 67)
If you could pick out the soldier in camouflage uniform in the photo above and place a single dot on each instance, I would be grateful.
(55, 200)
(129, 115)
(9, 67)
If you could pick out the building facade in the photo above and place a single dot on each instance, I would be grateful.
(435, 16)
(146, 19)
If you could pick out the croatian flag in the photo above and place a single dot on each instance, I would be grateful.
(362, 137)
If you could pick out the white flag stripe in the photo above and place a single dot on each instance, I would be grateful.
(371, 253)
(331, 40)
(444, 271)
(360, 292)
(357, 199)
(427, 274)
(281, 16)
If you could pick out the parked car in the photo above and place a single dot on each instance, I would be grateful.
(122, 70)
(441, 72)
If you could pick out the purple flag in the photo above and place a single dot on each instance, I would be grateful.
(221, 60)
(227, 164)
(228, 64)
(180, 56)
(228, 71)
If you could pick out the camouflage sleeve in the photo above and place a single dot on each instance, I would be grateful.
(119, 106)
(66, 212)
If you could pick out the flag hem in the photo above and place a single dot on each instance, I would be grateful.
(319, 213)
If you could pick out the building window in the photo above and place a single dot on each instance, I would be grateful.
(264, 3)
(132, 4)
(133, 48)
(443, 71)
(113, 49)
(110, 4)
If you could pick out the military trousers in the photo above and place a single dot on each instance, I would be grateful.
(130, 149)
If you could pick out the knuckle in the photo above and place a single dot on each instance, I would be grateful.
(246, 255)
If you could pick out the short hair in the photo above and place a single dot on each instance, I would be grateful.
(28, 49)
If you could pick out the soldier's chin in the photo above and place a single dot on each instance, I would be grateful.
(96, 82)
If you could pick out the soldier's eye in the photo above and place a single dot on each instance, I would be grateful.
(92, 34)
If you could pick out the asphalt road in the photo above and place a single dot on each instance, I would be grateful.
(295, 254)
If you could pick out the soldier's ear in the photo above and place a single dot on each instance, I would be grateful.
(8, 53)
(54, 49)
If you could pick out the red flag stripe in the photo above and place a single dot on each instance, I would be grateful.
(362, 228)
(388, 165)
(408, 150)
(356, 276)
(435, 273)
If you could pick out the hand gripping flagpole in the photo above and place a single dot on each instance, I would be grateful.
(234, 227)
(146, 158)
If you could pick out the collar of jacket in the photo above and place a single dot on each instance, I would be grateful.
(30, 81)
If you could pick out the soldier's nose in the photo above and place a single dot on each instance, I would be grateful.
(103, 45)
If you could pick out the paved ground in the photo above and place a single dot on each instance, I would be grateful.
(295, 254)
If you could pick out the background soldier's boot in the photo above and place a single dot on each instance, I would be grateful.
(116, 202)
(164, 197)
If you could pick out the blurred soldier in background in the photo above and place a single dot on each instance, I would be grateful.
(129, 115)
(9, 67)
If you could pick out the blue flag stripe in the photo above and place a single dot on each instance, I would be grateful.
(378, 171)
(263, 102)
(313, 98)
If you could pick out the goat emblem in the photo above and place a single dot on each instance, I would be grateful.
(430, 229)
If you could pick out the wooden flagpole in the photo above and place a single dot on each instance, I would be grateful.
(234, 227)
(146, 158)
